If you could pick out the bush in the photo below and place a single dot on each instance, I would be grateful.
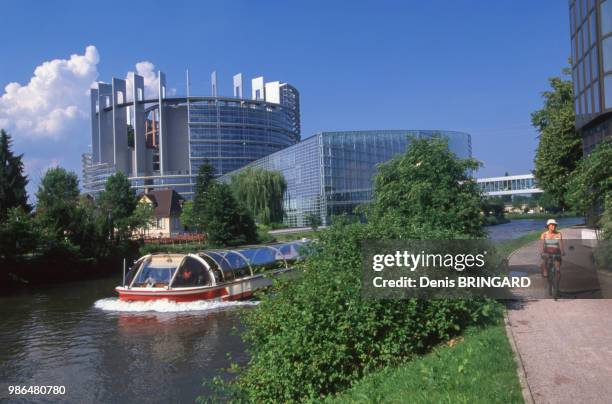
(316, 335)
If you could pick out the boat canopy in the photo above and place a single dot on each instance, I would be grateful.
(228, 265)
(180, 270)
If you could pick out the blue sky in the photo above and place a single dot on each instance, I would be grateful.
(475, 66)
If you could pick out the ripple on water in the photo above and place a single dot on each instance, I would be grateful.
(166, 306)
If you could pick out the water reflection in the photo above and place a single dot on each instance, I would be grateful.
(56, 336)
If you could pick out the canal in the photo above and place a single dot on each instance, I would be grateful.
(79, 336)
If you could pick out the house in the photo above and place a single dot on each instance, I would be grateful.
(167, 206)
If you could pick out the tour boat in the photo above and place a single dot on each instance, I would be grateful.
(209, 275)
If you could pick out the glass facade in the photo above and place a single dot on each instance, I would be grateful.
(331, 173)
(229, 133)
(585, 58)
(591, 45)
(515, 184)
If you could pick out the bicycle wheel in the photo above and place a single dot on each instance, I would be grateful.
(555, 286)
(550, 278)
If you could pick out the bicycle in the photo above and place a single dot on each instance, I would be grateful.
(553, 280)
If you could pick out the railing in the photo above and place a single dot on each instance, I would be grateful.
(177, 239)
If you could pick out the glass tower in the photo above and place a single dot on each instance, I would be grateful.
(591, 43)
(331, 173)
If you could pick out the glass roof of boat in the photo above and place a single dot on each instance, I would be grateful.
(278, 255)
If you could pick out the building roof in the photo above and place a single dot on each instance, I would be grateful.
(167, 202)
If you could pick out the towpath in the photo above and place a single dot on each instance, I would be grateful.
(564, 347)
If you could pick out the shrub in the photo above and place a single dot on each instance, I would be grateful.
(316, 335)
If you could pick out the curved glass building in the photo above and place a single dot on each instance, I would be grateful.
(161, 142)
(331, 173)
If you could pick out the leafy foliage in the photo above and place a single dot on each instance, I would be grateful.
(18, 235)
(315, 334)
(227, 222)
(187, 219)
(314, 221)
(591, 182)
(12, 180)
(216, 211)
(117, 204)
(428, 188)
(57, 207)
(262, 193)
(560, 147)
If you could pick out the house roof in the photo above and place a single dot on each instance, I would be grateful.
(167, 202)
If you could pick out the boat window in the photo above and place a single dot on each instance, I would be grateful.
(191, 273)
(239, 264)
(133, 270)
(212, 264)
(157, 271)
(223, 265)
(262, 258)
(290, 251)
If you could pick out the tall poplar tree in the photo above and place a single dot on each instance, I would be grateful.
(12, 180)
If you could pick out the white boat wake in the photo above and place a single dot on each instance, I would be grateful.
(166, 306)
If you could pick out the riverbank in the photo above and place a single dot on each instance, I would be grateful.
(482, 354)
(476, 367)
(526, 216)
(494, 220)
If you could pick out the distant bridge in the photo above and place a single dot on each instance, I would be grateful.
(509, 185)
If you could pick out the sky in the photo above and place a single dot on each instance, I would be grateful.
(477, 66)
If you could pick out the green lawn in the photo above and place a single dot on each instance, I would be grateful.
(478, 369)
(297, 235)
(507, 247)
(520, 216)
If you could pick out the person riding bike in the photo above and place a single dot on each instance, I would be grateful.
(551, 247)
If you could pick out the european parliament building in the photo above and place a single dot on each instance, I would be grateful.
(331, 173)
(161, 142)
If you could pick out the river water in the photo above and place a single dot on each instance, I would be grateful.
(79, 336)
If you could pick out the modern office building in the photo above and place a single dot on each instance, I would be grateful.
(161, 142)
(591, 42)
(331, 173)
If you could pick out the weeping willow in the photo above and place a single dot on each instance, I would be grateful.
(261, 191)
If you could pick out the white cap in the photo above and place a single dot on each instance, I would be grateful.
(552, 221)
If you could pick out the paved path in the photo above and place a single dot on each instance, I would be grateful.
(565, 346)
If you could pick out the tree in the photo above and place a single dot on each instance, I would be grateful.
(117, 203)
(428, 187)
(559, 148)
(187, 219)
(142, 218)
(226, 221)
(206, 177)
(262, 193)
(12, 180)
(591, 183)
(313, 220)
(57, 199)
(316, 334)
(18, 235)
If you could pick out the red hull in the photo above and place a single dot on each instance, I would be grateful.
(182, 296)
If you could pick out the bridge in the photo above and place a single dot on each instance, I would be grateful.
(509, 185)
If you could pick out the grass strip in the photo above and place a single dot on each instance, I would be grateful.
(478, 368)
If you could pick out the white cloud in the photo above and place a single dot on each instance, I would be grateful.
(53, 107)
(147, 70)
(54, 100)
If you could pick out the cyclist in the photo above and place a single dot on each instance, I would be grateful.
(551, 247)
